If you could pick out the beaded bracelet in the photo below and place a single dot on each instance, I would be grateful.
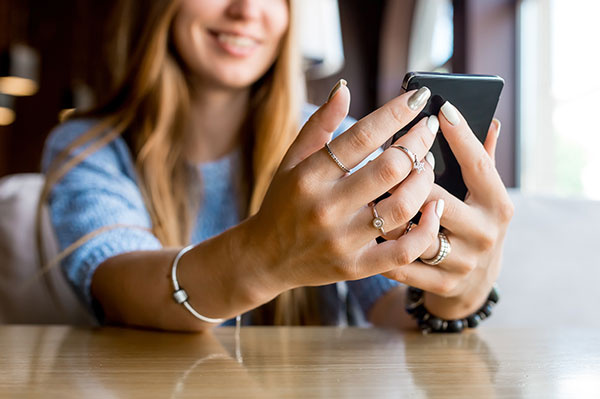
(429, 323)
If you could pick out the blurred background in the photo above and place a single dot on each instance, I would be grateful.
(52, 60)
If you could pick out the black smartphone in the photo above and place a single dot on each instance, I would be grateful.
(475, 96)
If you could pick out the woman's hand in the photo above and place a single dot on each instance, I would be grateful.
(314, 226)
(475, 228)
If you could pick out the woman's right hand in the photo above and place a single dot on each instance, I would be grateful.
(314, 226)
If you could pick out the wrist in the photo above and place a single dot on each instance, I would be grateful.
(459, 306)
(429, 322)
(259, 273)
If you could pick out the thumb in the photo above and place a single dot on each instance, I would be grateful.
(318, 129)
(492, 139)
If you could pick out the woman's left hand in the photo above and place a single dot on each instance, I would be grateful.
(475, 228)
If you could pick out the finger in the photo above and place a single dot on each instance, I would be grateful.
(428, 278)
(397, 209)
(390, 255)
(318, 129)
(390, 168)
(492, 139)
(372, 131)
(478, 170)
(459, 218)
(461, 259)
(458, 263)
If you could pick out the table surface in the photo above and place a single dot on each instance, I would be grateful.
(297, 362)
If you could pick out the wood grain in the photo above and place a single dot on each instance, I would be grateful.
(301, 362)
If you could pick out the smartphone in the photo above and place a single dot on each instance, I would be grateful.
(475, 96)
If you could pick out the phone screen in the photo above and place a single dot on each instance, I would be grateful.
(475, 96)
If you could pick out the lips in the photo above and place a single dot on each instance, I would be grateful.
(236, 40)
(234, 43)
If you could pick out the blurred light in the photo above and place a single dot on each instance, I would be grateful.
(65, 114)
(320, 37)
(19, 70)
(78, 97)
(7, 113)
(432, 35)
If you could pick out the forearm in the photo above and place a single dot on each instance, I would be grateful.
(223, 276)
(389, 310)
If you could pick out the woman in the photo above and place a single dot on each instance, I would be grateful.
(200, 132)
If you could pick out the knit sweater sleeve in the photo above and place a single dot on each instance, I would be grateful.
(100, 191)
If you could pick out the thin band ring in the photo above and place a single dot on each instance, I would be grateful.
(419, 166)
(409, 227)
(377, 221)
(336, 159)
(444, 251)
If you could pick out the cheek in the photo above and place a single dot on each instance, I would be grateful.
(278, 20)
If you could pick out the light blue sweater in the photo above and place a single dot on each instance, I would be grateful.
(102, 190)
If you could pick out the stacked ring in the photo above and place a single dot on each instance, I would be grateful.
(444, 251)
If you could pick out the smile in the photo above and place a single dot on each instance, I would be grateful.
(235, 44)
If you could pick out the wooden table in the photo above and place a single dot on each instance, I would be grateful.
(301, 362)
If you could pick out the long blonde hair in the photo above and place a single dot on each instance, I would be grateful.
(148, 105)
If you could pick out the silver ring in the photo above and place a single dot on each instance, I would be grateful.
(336, 159)
(377, 221)
(444, 251)
(409, 227)
(419, 166)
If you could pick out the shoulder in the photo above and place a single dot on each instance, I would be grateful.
(309, 109)
(116, 153)
(63, 135)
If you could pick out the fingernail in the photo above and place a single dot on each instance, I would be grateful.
(335, 89)
(439, 208)
(433, 124)
(499, 127)
(430, 159)
(419, 98)
(450, 113)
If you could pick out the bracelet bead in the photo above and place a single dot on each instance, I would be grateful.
(430, 323)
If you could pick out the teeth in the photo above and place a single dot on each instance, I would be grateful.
(234, 40)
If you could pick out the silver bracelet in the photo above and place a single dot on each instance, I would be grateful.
(179, 294)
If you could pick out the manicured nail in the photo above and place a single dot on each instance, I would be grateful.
(430, 159)
(419, 98)
(439, 208)
(433, 124)
(499, 127)
(335, 89)
(450, 113)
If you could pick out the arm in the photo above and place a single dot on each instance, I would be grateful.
(389, 310)
(222, 277)
(312, 229)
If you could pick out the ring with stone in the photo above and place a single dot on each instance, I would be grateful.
(419, 166)
(377, 221)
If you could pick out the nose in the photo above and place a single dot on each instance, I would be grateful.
(244, 9)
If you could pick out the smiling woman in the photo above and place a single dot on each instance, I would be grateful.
(189, 197)
(229, 44)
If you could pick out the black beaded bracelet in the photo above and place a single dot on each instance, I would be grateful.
(429, 323)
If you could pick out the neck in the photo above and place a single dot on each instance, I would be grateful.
(215, 121)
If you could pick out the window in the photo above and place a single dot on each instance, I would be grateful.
(559, 71)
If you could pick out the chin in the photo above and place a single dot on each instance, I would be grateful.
(234, 78)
